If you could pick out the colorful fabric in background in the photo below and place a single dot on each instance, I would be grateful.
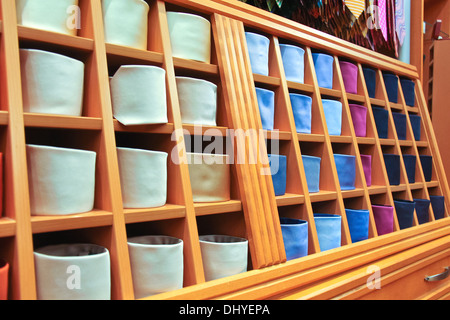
(378, 25)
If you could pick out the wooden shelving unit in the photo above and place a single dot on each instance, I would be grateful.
(253, 211)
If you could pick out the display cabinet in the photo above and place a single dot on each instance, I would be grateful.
(253, 210)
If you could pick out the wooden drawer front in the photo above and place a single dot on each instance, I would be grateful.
(409, 283)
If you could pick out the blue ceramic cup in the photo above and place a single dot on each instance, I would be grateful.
(381, 117)
(427, 166)
(333, 116)
(438, 205)
(328, 227)
(301, 107)
(293, 62)
(278, 170)
(345, 166)
(410, 165)
(392, 163)
(408, 87)
(400, 124)
(312, 172)
(422, 210)
(391, 83)
(358, 224)
(258, 49)
(416, 125)
(370, 78)
(323, 64)
(266, 104)
(405, 213)
(295, 237)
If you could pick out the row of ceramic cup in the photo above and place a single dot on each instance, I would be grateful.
(328, 226)
(138, 92)
(125, 23)
(302, 105)
(62, 180)
(293, 63)
(82, 271)
(392, 162)
(345, 166)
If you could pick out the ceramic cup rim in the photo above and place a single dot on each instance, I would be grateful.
(327, 216)
(199, 17)
(144, 151)
(257, 35)
(292, 46)
(320, 54)
(65, 149)
(210, 239)
(134, 241)
(137, 66)
(349, 64)
(50, 53)
(300, 95)
(358, 106)
(197, 80)
(344, 155)
(284, 221)
(311, 157)
(39, 252)
(265, 90)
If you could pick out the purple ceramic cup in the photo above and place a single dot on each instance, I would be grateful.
(384, 218)
(367, 167)
(359, 117)
(350, 76)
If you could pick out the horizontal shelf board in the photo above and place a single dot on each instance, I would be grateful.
(400, 187)
(365, 140)
(374, 189)
(422, 144)
(168, 211)
(205, 208)
(193, 65)
(396, 106)
(387, 142)
(7, 227)
(313, 137)
(330, 92)
(358, 192)
(95, 218)
(377, 102)
(4, 117)
(356, 97)
(290, 199)
(278, 135)
(323, 196)
(412, 109)
(308, 88)
(432, 184)
(206, 130)
(145, 128)
(416, 185)
(341, 139)
(266, 80)
(405, 143)
(129, 52)
(61, 121)
(61, 39)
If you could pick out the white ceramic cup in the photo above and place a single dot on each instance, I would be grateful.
(223, 255)
(126, 22)
(51, 15)
(156, 264)
(190, 36)
(61, 180)
(51, 83)
(210, 177)
(198, 101)
(143, 177)
(138, 94)
(77, 271)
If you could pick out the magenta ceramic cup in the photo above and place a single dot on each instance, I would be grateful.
(359, 118)
(367, 167)
(350, 76)
(384, 218)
